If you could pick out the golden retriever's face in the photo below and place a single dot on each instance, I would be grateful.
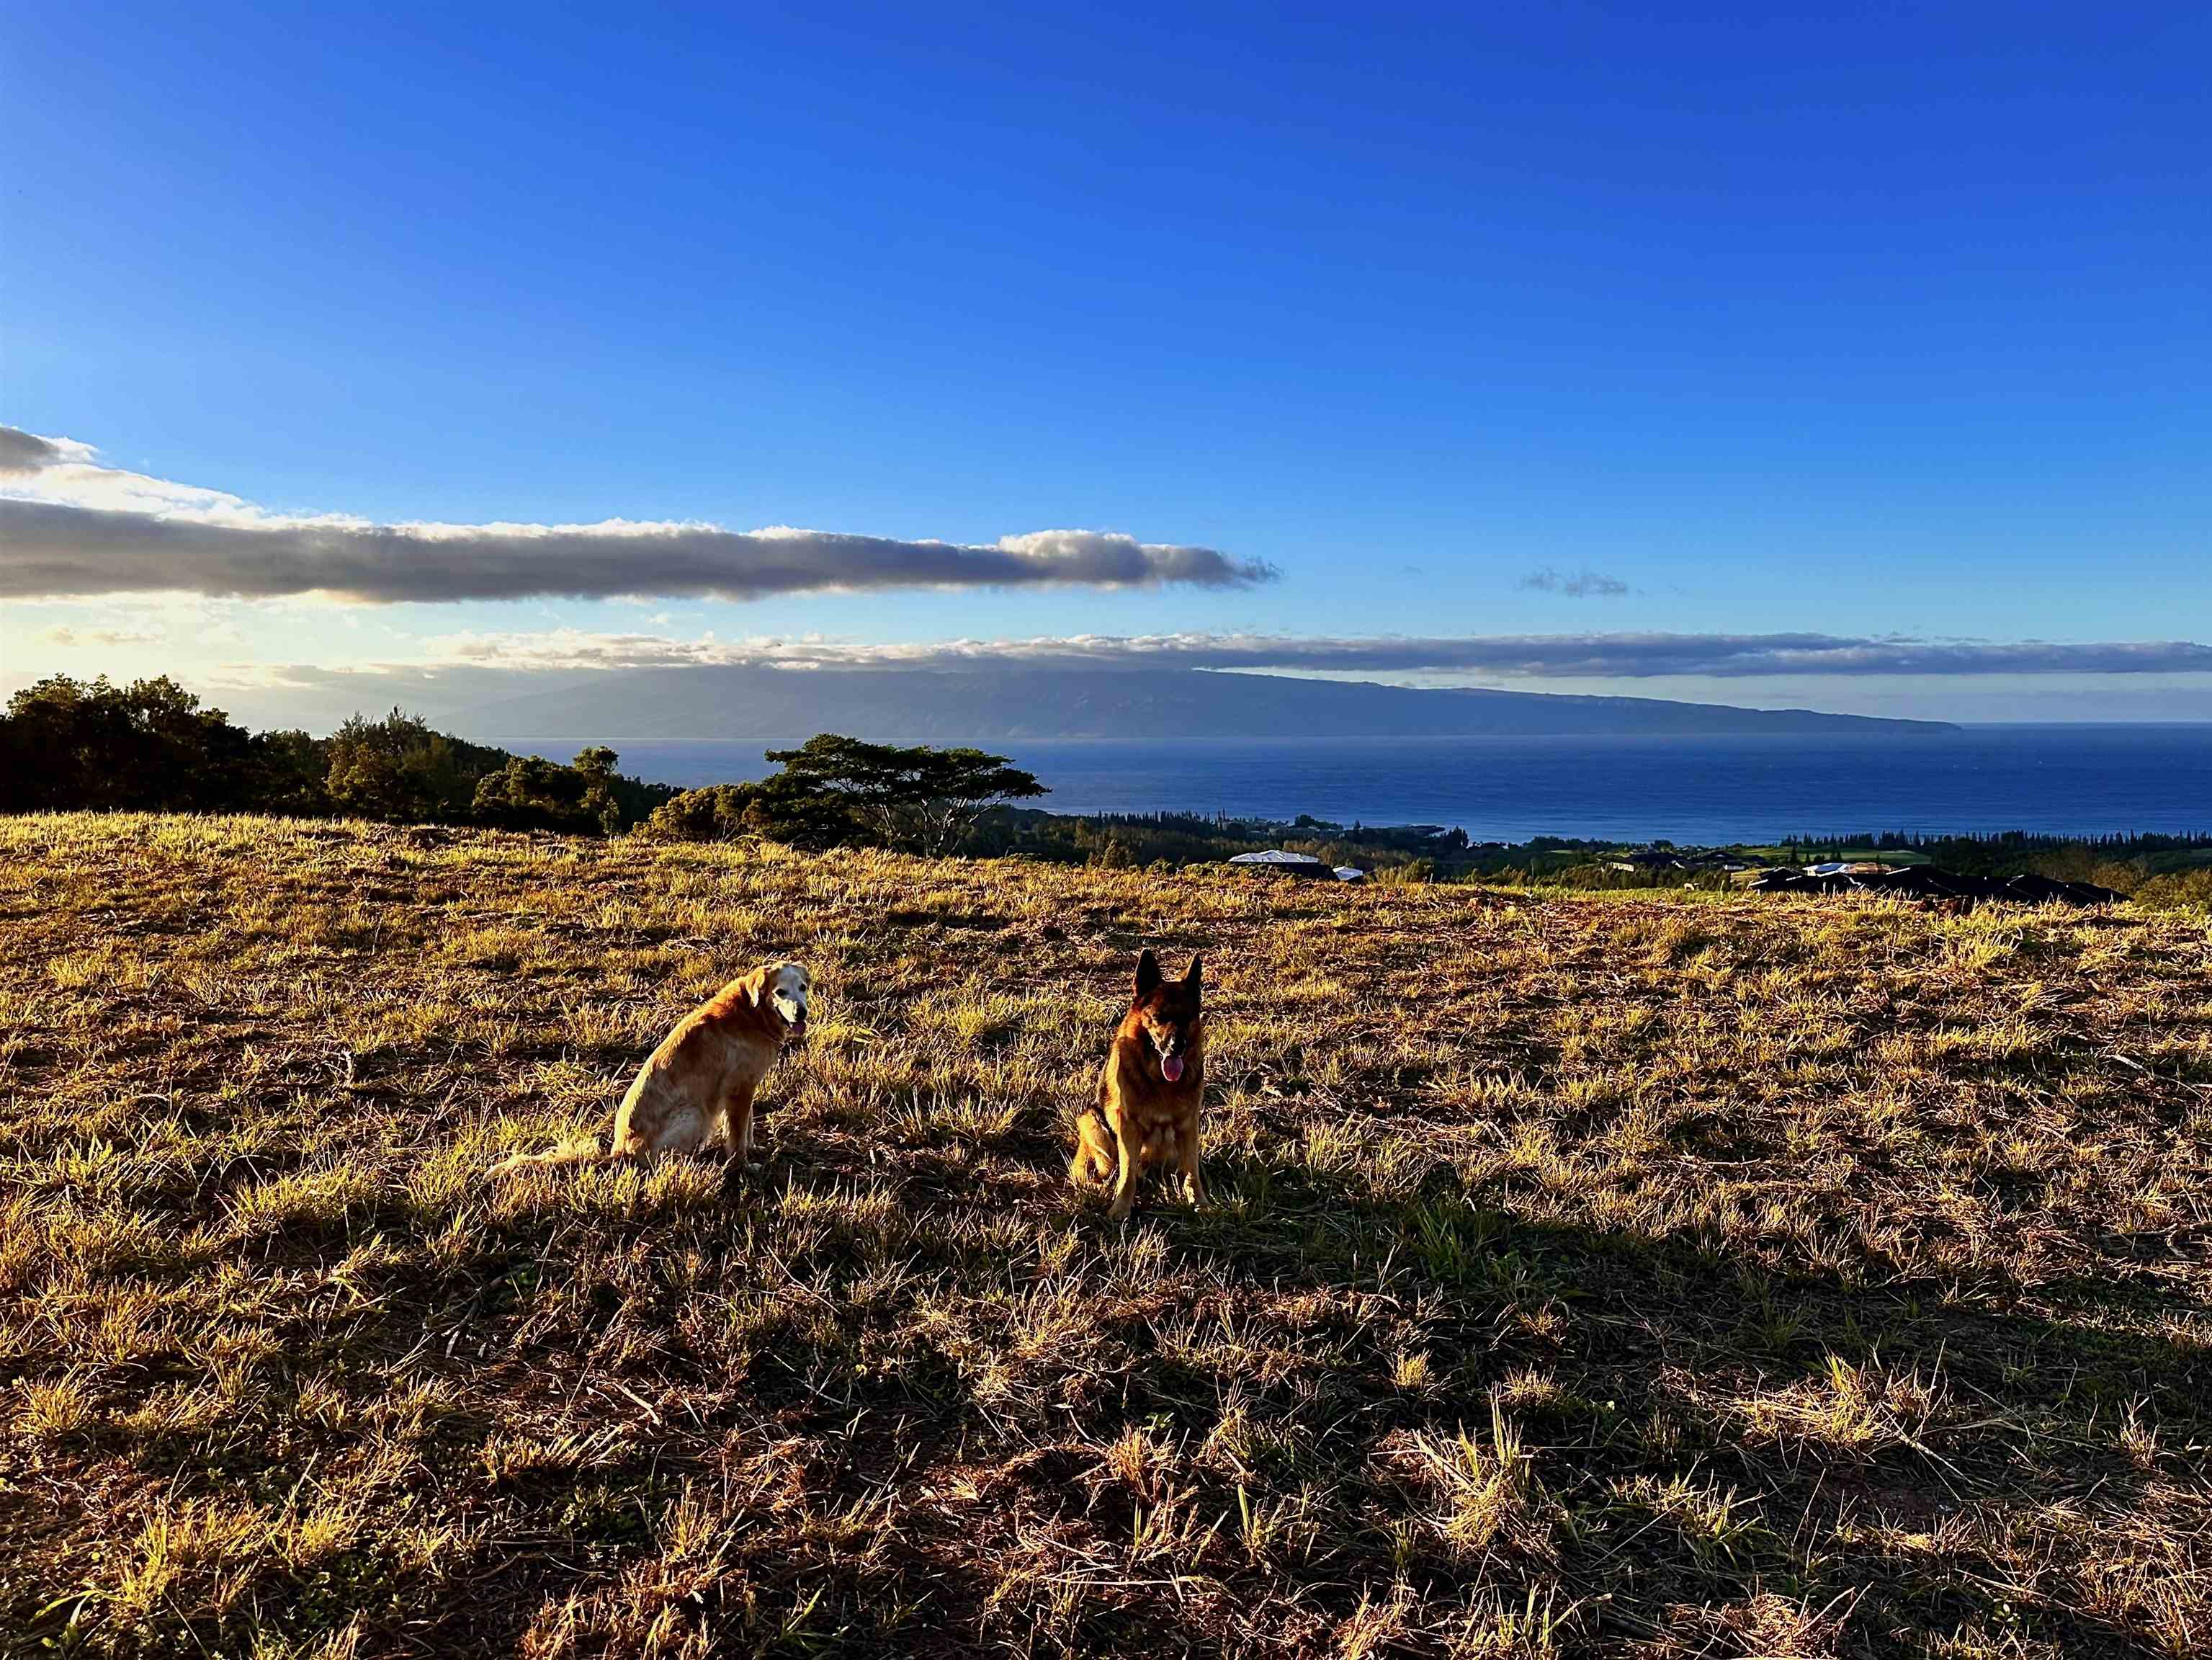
(1171, 1013)
(786, 988)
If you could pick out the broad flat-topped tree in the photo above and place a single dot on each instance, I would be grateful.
(919, 797)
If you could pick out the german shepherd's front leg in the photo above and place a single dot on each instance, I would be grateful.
(1125, 1182)
(1187, 1160)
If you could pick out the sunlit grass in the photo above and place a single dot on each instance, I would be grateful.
(1645, 1273)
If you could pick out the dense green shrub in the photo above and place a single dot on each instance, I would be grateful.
(2185, 890)
(585, 796)
(716, 813)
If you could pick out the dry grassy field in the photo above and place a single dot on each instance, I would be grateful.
(1655, 1275)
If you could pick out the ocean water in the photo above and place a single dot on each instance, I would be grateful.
(2069, 780)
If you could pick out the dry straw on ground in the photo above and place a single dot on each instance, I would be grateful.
(1661, 1276)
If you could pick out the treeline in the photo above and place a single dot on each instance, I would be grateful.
(1407, 853)
(840, 792)
(2010, 852)
(2155, 869)
(1145, 841)
(152, 746)
(961, 801)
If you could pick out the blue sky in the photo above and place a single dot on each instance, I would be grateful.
(1861, 322)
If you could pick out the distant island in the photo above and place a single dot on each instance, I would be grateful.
(994, 704)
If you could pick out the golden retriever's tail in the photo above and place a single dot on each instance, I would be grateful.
(583, 1151)
(1095, 1156)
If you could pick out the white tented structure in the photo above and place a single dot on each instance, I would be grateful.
(1284, 864)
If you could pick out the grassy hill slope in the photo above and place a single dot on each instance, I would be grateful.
(1672, 1274)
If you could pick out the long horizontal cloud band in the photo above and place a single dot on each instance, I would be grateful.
(50, 550)
(69, 526)
(1591, 656)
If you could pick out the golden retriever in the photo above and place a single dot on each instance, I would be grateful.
(696, 1091)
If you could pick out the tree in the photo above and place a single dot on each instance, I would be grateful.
(149, 746)
(399, 769)
(291, 771)
(786, 807)
(919, 797)
(531, 792)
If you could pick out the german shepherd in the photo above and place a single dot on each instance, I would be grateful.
(695, 1090)
(1150, 1091)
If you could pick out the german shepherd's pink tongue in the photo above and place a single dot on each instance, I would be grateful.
(1171, 1067)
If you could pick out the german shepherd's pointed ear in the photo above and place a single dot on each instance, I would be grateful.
(1191, 978)
(1148, 974)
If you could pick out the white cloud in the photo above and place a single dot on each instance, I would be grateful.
(69, 527)
(1581, 656)
(1583, 584)
(27, 452)
(71, 638)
